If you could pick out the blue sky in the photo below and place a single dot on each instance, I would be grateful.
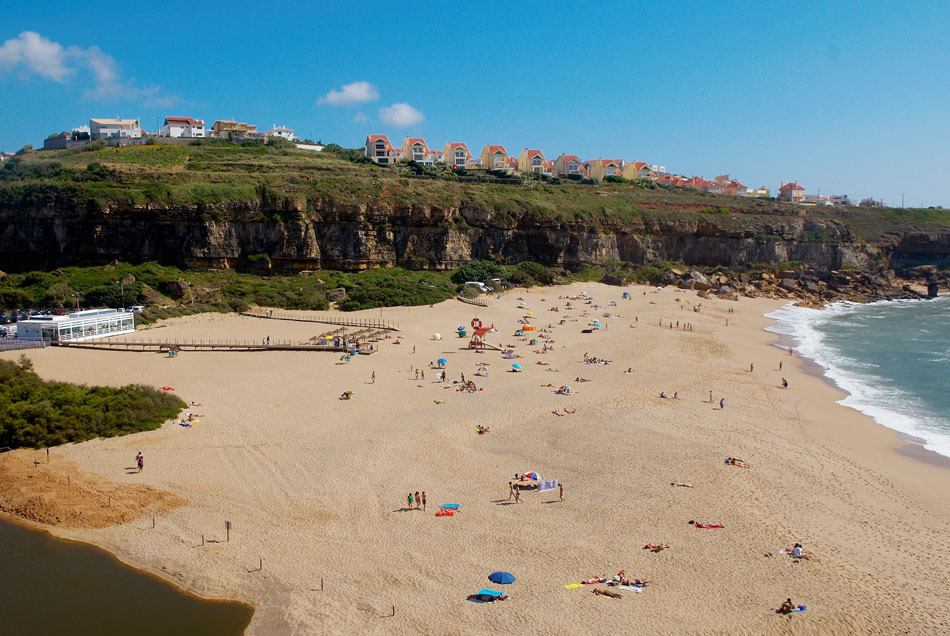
(845, 97)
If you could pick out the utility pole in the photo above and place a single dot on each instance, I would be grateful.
(902, 200)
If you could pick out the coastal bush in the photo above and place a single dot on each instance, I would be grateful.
(36, 413)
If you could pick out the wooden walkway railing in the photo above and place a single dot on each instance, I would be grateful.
(207, 345)
(372, 323)
(481, 302)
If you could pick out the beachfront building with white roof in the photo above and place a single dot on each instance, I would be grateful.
(115, 128)
(77, 326)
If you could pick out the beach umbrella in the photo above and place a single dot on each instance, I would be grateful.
(502, 578)
(533, 475)
(529, 313)
(441, 360)
(516, 366)
(461, 328)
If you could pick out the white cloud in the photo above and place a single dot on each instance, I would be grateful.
(36, 53)
(32, 53)
(360, 118)
(355, 93)
(400, 114)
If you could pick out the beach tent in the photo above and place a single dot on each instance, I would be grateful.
(502, 578)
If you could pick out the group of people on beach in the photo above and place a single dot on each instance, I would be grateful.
(417, 501)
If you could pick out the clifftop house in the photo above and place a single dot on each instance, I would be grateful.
(416, 149)
(791, 192)
(455, 153)
(531, 161)
(600, 168)
(183, 127)
(379, 150)
(230, 129)
(638, 170)
(566, 165)
(495, 158)
(115, 128)
(280, 132)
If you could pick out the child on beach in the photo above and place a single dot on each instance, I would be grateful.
(140, 461)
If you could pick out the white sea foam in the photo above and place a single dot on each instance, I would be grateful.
(869, 393)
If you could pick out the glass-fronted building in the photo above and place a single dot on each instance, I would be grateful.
(77, 326)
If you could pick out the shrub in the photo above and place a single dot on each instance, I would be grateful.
(476, 270)
(37, 413)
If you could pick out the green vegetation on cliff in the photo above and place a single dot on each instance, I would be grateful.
(37, 413)
(211, 175)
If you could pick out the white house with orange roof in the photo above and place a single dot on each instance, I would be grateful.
(183, 127)
(600, 168)
(531, 161)
(416, 149)
(638, 170)
(455, 153)
(567, 165)
(495, 158)
(379, 150)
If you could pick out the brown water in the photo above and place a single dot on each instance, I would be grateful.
(52, 586)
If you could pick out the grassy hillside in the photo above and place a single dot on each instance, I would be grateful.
(215, 173)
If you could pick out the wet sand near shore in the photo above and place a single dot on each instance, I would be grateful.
(317, 485)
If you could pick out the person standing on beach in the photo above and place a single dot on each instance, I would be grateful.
(722, 403)
(418, 501)
(140, 461)
(779, 365)
(751, 367)
(423, 372)
(518, 496)
(784, 383)
(560, 492)
(710, 397)
(423, 501)
(409, 499)
(373, 378)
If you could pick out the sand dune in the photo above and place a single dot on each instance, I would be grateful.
(318, 485)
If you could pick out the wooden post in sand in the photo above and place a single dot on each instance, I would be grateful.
(47, 455)
(227, 528)
(394, 610)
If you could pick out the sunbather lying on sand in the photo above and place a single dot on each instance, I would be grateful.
(656, 547)
(707, 526)
(580, 379)
(600, 592)
(734, 461)
(595, 580)
(487, 598)
(558, 412)
(681, 484)
(481, 430)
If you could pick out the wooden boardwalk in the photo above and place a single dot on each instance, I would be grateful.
(366, 323)
(160, 346)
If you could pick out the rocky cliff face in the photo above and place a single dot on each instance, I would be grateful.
(325, 234)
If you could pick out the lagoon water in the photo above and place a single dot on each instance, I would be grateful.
(893, 359)
(52, 586)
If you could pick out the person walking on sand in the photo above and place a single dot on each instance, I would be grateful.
(722, 403)
(511, 490)
(751, 367)
(518, 496)
(140, 461)
(423, 501)
(560, 492)
(710, 397)
(418, 500)
(373, 378)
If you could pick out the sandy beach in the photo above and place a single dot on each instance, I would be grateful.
(316, 486)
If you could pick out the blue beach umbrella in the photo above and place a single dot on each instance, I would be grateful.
(441, 360)
(516, 366)
(502, 578)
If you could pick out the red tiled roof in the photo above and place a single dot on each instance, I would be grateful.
(569, 158)
(184, 120)
(532, 153)
(375, 138)
(604, 162)
(494, 149)
(791, 186)
(455, 144)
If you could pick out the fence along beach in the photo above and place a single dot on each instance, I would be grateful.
(317, 485)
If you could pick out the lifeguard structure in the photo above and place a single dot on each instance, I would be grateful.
(478, 336)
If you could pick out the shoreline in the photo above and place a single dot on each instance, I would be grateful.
(243, 460)
(912, 445)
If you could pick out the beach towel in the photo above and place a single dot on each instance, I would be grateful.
(630, 588)
(445, 513)
(547, 485)
(450, 506)
(571, 586)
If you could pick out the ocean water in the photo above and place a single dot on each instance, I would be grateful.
(892, 358)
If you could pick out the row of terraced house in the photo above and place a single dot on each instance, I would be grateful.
(379, 149)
